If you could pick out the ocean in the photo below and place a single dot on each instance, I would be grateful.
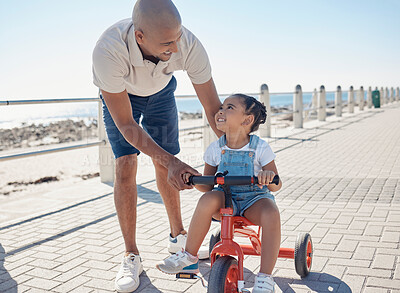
(14, 116)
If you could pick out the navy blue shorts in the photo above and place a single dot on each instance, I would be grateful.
(159, 119)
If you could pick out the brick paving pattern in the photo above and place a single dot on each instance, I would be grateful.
(341, 184)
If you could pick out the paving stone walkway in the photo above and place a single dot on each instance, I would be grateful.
(341, 184)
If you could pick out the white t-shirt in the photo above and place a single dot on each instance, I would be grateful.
(118, 63)
(263, 154)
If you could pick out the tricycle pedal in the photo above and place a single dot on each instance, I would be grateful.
(186, 276)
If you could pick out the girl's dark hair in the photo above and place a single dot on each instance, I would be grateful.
(255, 108)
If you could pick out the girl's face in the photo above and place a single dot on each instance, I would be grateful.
(231, 115)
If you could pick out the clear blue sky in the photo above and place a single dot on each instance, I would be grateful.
(46, 45)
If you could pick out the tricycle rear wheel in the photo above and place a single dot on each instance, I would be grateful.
(303, 254)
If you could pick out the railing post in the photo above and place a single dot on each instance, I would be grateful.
(298, 107)
(338, 101)
(397, 94)
(391, 95)
(106, 157)
(322, 104)
(265, 129)
(208, 134)
(382, 93)
(350, 100)
(369, 98)
(361, 99)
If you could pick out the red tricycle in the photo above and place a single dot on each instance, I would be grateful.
(226, 273)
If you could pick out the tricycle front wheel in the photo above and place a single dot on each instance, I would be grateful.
(214, 239)
(224, 275)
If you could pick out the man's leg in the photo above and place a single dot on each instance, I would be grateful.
(171, 199)
(125, 199)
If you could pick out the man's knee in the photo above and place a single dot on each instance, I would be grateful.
(125, 169)
(160, 169)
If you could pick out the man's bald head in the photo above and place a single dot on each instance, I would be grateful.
(154, 14)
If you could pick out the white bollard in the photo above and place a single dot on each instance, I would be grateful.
(391, 95)
(386, 95)
(397, 94)
(338, 101)
(361, 99)
(298, 107)
(382, 93)
(265, 129)
(322, 104)
(350, 100)
(106, 156)
(369, 98)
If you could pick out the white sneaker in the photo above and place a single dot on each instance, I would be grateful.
(203, 253)
(179, 242)
(180, 262)
(263, 284)
(127, 279)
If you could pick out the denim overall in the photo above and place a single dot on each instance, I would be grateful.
(241, 163)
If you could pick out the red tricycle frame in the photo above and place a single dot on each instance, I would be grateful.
(227, 275)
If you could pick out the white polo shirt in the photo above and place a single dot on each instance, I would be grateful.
(118, 63)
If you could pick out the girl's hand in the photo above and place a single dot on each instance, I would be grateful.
(265, 177)
(185, 177)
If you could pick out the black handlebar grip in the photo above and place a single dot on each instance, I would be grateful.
(275, 180)
(202, 180)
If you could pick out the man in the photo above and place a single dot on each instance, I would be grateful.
(133, 63)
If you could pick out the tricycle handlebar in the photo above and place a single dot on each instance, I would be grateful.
(227, 180)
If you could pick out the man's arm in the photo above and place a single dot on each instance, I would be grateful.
(208, 97)
(120, 109)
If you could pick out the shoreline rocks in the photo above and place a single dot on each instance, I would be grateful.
(56, 132)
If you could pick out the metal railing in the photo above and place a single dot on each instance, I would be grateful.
(47, 101)
(49, 151)
(318, 104)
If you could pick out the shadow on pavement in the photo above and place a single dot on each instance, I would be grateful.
(315, 282)
(148, 195)
(145, 284)
(7, 284)
(54, 212)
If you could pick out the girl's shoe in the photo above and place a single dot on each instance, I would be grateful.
(263, 284)
(180, 262)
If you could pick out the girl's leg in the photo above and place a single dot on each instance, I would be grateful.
(265, 213)
(209, 204)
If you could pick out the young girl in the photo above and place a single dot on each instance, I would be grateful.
(239, 153)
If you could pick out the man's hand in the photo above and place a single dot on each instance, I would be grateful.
(208, 97)
(176, 171)
(265, 177)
